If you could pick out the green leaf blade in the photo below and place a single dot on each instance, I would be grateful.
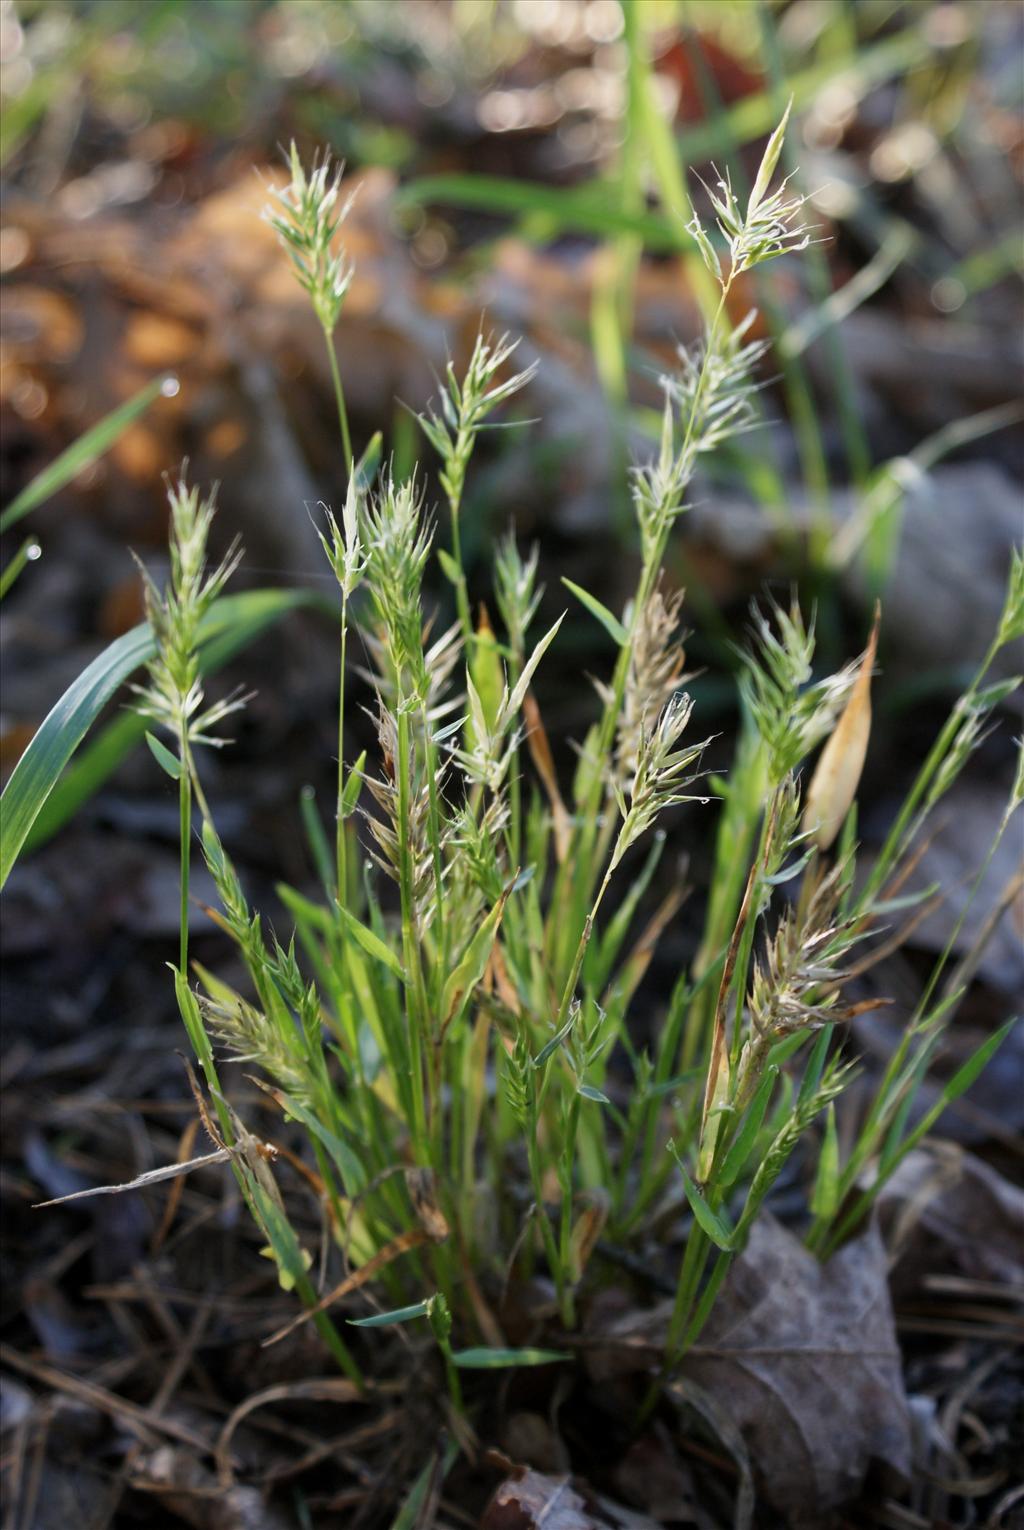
(504, 1359)
(710, 1222)
(610, 623)
(371, 942)
(388, 1319)
(81, 453)
(60, 733)
(168, 762)
(39, 798)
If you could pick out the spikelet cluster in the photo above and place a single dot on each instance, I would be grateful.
(465, 403)
(306, 216)
(656, 665)
(174, 695)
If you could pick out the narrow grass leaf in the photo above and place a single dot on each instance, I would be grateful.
(350, 796)
(311, 915)
(435, 1471)
(503, 1359)
(588, 210)
(710, 1222)
(610, 623)
(288, 1255)
(470, 969)
(551, 1046)
(58, 736)
(398, 1315)
(41, 795)
(449, 566)
(522, 685)
(84, 451)
(317, 840)
(167, 761)
(815, 1064)
(962, 1079)
(370, 942)
(746, 1138)
(825, 1196)
(27, 553)
(352, 1172)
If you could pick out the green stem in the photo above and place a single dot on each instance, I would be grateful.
(339, 397)
(548, 1237)
(824, 1235)
(28, 550)
(452, 1375)
(698, 1248)
(461, 591)
(434, 833)
(565, 1220)
(410, 947)
(342, 844)
(515, 830)
(185, 846)
(895, 838)
(581, 951)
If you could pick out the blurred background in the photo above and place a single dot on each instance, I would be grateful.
(528, 164)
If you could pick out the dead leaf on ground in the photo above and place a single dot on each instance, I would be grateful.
(533, 1501)
(189, 1490)
(529, 1500)
(946, 1212)
(804, 1357)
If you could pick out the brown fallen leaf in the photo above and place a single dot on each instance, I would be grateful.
(186, 1488)
(529, 1500)
(804, 1358)
(946, 1212)
(533, 1501)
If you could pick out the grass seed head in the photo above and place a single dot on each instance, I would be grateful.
(306, 216)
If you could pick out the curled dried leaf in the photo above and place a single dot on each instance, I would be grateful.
(837, 774)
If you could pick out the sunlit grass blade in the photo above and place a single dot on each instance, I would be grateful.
(29, 812)
(86, 449)
(27, 553)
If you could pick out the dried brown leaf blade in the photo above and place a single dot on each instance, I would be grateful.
(533, 1501)
(837, 774)
(151, 1177)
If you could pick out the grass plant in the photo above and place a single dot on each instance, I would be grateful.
(450, 1022)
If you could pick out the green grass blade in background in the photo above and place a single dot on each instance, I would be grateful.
(27, 553)
(231, 624)
(593, 209)
(86, 449)
(60, 734)
(583, 210)
(506, 1359)
(435, 1471)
